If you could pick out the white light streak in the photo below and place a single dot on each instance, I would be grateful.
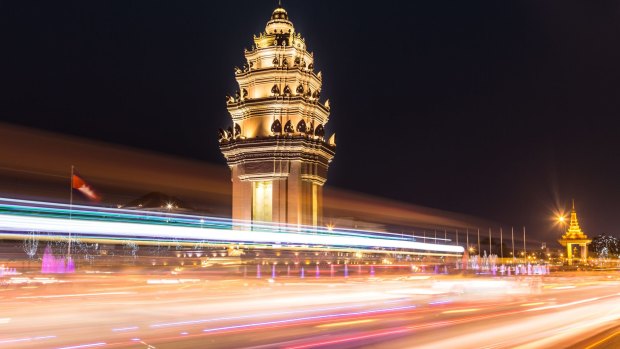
(125, 329)
(17, 340)
(84, 346)
(137, 230)
(76, 295)
(249, 316)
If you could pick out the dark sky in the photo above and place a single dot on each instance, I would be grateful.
(500, 109)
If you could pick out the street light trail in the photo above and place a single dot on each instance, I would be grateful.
(249, 316)
(100, 227)
(302, 319)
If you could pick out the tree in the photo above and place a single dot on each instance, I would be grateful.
(605, 246)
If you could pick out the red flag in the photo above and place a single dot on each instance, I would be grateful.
(78, 183)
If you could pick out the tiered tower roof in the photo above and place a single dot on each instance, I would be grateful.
(278, 111)
(277, 85)
(574, 231)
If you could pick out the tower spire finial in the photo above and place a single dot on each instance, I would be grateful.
(279, 3)
(573, 204)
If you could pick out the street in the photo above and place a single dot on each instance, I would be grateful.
(136, 310)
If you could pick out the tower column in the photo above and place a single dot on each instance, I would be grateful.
(319, 204)
(241, 199)
(584, 252)
(294, 194)
(279, 202)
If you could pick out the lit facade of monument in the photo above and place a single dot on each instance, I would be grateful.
(276, 146)
(574, 236)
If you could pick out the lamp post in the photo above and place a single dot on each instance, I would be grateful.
(561, 220)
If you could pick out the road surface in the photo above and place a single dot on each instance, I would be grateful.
(121, 310)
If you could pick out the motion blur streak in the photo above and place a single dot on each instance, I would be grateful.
(127, 173)
(346, 323)
(532, 304)
(460, 311)
(569, 304)
(193, 322)
(307, 318)
(125, 329)
(7, 341)
(594, 345)
(84, 346)
(76, 295)
(350, 339)
(257, 313)
(112, 229)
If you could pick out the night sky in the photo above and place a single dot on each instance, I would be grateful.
(499, 109)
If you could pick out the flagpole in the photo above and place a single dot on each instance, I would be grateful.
(467, 242)
(512, 234)
(478, 241)
(490, 237)
(70, 207)
(524, 247)
(501, 242)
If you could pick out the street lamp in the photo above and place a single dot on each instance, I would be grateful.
(561, 220)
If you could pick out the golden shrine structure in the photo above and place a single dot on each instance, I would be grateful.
(575, 237)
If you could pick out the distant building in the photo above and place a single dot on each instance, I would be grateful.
(159, 202)
(276, 146)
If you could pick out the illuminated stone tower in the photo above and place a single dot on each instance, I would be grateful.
(276, 146)
(574, 236)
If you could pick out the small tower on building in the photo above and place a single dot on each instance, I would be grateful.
(276, 146)
(575, 237)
